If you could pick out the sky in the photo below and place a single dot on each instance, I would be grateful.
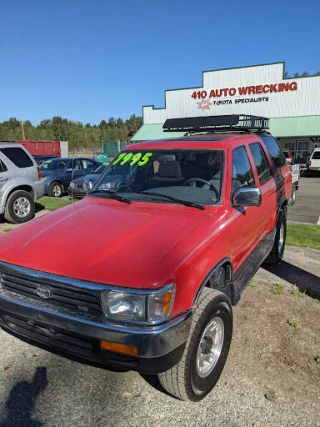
(88, 60)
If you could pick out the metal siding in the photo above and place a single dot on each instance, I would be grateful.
(303, 102)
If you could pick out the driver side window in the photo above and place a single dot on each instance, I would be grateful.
(242, 174)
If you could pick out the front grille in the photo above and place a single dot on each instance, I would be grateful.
(49, 336)
(73, 298)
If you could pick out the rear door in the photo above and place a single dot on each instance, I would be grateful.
(248, 222)
(266, 182)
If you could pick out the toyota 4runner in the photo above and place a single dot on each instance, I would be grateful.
(143, 276)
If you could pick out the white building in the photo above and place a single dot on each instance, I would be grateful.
(292, 104)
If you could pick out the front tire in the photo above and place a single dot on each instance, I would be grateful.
(276, 254)
(206, 350)
(19, 207)
(55, 190)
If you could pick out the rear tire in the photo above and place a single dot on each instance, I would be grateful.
(206, 350)
(276, 254)
(19, 207)
(55, 189)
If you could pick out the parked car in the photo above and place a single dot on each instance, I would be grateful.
(40, 159)
(20, 183)
(149, 270)
(289, 157)
(79, 187)
(59, 172)
(314, 162)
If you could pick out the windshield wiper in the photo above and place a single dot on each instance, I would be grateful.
(112, 195)
(173, 199)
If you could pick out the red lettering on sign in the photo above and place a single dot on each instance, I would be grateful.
(259, 89)
(273, 88)
(293, 86)
(266, 88)
(212, 93)
(243, 90)
(232, 91)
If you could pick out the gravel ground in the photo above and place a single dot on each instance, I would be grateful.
(270, 379)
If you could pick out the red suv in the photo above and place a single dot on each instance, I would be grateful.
(144, 276)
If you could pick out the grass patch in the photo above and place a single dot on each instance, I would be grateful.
(253, 284)
(303, 235)
(7, 229)
(318, 360)
(277, 289)
(299, 294)
(293, 323)
(51, 203)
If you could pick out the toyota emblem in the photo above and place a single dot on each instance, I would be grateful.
(43, 292)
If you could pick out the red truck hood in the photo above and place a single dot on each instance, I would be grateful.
(101, 241)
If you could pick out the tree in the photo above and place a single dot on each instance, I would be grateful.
(296, 75)
(304, 74)
(286, 75)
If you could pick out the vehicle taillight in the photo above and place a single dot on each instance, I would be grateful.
(309, 163)
(39, 172)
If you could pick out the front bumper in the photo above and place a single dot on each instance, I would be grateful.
(159, 347)
(79, 193)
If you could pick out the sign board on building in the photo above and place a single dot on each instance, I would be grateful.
(258, 90)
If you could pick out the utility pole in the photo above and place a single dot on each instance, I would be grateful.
(23, 135)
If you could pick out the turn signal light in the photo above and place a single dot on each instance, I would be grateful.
(118, 348)
(39, 173)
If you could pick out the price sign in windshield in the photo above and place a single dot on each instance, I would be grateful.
(132, 158)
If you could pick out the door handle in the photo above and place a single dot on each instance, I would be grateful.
(4, 179)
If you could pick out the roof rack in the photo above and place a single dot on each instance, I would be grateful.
(232, 122)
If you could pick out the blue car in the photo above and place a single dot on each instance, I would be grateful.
(59, 172)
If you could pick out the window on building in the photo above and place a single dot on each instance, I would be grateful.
(261, 162)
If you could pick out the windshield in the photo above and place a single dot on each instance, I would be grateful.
(188, 175)
(50, 165)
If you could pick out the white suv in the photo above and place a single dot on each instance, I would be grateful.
(20, 182)
(314, 161)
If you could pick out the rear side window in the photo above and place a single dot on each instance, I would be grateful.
(18, 156)
(3, 167)
(261, 162)
(274, 150)
(242, 173)
(316, 155)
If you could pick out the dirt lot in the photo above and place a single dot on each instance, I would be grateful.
(271, 377)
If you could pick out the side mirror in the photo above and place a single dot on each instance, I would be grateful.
(90, 184)
(247, 196)
(69, 170)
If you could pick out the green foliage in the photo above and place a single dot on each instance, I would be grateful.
(253, 284)
(303, 235)
(277, 289)
(78, 134)
(299, 294)
(51, 203)
(293, 323)
(318, 360)
(7, 229)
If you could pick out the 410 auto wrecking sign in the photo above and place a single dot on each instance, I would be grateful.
(240, 94)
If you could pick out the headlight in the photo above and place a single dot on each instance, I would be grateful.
(72, 185)
(107, 186)
(148, 307)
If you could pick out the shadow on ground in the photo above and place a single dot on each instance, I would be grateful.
(304, 280)
(22, 399)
